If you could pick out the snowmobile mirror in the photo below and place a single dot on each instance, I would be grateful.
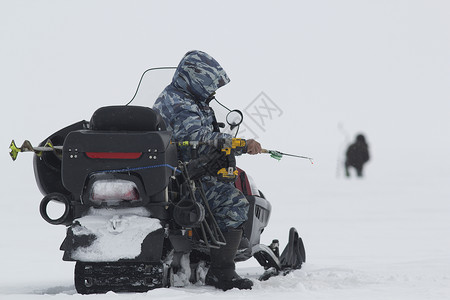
(234, 118)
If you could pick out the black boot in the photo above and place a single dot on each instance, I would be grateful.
(222, 272)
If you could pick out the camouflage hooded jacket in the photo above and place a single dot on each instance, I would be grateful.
(184, 103)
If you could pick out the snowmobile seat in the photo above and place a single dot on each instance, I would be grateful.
(126, 118)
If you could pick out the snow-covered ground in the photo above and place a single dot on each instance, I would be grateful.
(329, 69)
(383, 237)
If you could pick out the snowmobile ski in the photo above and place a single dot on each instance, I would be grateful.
(291, 259)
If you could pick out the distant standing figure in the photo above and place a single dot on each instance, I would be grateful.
(357, 155)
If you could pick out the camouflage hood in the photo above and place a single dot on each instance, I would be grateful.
(199, 75)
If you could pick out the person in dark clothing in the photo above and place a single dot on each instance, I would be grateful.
(357, 155)
(184, 106)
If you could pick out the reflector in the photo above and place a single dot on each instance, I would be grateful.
(114, 155)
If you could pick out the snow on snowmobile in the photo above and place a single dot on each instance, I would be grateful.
(132, 212)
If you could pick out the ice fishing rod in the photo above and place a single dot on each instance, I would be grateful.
(278, 155)
(226, 145)
(142, 76)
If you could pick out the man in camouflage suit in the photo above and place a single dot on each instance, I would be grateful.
(184, 106)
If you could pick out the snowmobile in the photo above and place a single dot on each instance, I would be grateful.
(136, 216)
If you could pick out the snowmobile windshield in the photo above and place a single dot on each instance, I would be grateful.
(199, 75)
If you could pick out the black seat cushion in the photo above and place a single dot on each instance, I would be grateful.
(126, 118)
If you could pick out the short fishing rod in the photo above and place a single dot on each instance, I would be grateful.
(278, 155)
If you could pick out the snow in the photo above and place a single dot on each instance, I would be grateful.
(333, 68)
(119, 234)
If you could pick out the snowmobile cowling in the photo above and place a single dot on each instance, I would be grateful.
(87, 153)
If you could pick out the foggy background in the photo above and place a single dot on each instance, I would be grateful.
(330, 69)
(377, 67)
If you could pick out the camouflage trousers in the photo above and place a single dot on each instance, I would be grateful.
(228, 205)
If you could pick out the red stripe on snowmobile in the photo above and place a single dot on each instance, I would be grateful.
(114, 155)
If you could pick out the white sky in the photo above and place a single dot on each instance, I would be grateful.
(379, 67)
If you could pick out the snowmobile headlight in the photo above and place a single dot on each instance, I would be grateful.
(114, 191)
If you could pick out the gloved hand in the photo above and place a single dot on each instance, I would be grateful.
(253, 147)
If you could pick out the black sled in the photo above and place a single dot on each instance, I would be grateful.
(134, 219)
